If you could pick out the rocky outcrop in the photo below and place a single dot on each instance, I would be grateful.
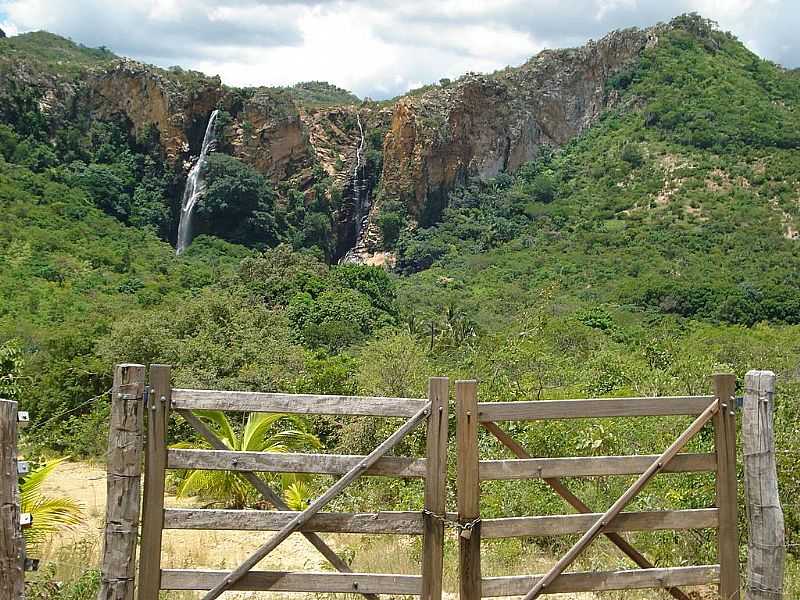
(269, 134)
(147, 97)
(2, 34)
(484, 124)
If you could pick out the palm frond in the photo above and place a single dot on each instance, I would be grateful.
(49, 514)
(220, 423)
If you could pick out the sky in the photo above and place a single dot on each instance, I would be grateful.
(378, 48)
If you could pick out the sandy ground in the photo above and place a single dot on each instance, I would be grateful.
(79, 548)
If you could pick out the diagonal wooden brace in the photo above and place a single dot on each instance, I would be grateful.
(270, 496)
(622, 502)
(576, 503)
(318, 504)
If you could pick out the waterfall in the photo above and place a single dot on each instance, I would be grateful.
(361, 201)
(195, 186)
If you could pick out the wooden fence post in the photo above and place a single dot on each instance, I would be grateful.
(12, 555)
(725, 443)
(766, 549)
(124, 473)
(435, 489)
(155, 470)
(468, 490)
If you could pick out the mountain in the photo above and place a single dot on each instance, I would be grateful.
(305, 138)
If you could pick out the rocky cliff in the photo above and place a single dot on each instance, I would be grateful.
(484, 124)
(419, 147)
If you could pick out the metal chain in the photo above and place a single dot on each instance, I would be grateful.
(463, 529)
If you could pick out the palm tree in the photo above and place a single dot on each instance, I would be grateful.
(263, 432)
(49, 514)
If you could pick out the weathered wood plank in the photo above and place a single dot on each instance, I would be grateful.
(403, 523)
(469, 489)
(318, 504)
(568, 524)
(604, 581)
(562, 490)
(587, 466)
(593, 408)
(658, 465)
(12, 549)
(288, 462)
(309, 404)
(283, 581)
(727, 535)
(272, 497)
(766, 542)
(155, 472)
(124, 468)
(435, 489)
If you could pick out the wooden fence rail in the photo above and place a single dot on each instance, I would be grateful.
(135, 404)
(471, 471)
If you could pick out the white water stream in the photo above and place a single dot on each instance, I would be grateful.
(195, 186)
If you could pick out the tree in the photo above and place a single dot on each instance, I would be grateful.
(263, 432)
(238, 204)
(11, 365)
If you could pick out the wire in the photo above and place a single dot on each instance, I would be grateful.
(74, 409)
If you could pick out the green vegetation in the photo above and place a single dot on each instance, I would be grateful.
(47, 51)
(652, 251)
(320, 94)
(261, 433)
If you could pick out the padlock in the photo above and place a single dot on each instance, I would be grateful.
(466, 533)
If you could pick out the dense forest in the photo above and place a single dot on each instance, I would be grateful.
(655, 249)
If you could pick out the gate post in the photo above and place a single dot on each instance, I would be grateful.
(12, 548)
(468, 481)
(725, 446)
(435, 489)
(155, 470)
(123, 484)
(766, 543)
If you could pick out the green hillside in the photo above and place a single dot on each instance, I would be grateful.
(49, 52)
(685, 200)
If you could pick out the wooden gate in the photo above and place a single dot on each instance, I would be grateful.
(161, 398)
(718, 408)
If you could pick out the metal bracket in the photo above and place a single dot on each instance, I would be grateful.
(25, 519)
(23, 467)
(31, 564)
(23, 418)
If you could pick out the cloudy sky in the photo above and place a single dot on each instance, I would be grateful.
(376, 48)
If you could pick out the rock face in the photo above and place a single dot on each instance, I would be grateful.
(147, 98)
(2, 34)
(268, 134)
(485, 124)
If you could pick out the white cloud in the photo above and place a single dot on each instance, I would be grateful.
(9, 28)
(379, 47)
